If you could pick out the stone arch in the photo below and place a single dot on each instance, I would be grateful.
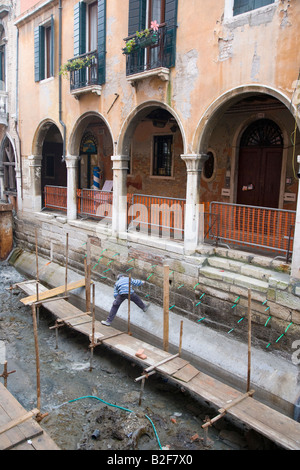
(40, 134)
(135, 116)
(218, 107)
(79, 127)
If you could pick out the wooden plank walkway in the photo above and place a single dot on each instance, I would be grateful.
(18, 428)
(47, 294)
(277, 427)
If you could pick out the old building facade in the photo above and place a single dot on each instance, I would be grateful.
(175, 144)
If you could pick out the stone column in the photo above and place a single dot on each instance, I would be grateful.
(72, 165)
(35, 169)
(192, 236)
(295, 268)
(119, 212)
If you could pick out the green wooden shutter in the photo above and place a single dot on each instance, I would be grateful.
(170, 37)
(136, 22)
(52, 48)
(101, 41)
(137, 16)
(39, 53)
(79, 28)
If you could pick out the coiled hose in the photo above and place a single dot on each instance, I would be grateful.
(121, 408)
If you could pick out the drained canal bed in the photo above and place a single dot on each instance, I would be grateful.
(99, 409)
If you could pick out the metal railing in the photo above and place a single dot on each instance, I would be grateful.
(253, 226)
(95, 203)
(156, 215)
(55, 197)
(154, 55)
(88, 74)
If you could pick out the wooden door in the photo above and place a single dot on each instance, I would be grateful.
(259, 176)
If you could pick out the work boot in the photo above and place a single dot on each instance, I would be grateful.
(105, 322)
(146, 307)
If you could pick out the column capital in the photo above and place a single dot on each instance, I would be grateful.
(194, 161)
(35, 160)
(120, 162)
(71, 161)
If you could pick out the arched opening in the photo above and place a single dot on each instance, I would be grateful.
(155, 146)
(9, 170)
(92, 142)
(260, 164)
(156, 175)
(252, 194)
(53, 171)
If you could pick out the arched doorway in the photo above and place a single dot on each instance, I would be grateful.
(53, 172)
(260, 164)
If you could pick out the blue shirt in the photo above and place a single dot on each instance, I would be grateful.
(122, 286)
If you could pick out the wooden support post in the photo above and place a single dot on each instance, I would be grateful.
(142, 390)
(38, 386)
(249, 340)
(6, 374)
(93, 329)
(88, 276)
(180, 338)
(37, 265)
(166, 309)
(66, 274)
(129, 292)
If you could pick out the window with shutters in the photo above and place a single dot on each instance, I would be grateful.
(242, 6)
(161, 52)
(44, 51)
(89, 44)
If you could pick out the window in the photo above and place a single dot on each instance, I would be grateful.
(44, 51)
(8, 157)
(242, 6)
(209, 167)
(162, 155)
(89, 37)
(2, 59)
(161, 53)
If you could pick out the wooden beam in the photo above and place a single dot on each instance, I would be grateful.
(53, 292)
(18, 421)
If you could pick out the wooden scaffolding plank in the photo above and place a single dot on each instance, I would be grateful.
(53, 292)
(186, 373)
(14, 430)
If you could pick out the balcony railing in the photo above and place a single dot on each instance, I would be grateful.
(86, 75)
(156, 54)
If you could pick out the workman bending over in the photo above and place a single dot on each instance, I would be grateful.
(121, 291)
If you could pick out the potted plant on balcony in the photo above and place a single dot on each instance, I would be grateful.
(76, 64)
(142, 39)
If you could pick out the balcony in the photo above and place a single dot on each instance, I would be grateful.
(84, 76)
(152, 55)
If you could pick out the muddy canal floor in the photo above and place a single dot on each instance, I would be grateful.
(105, 412)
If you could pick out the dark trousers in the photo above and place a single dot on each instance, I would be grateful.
(119, 300)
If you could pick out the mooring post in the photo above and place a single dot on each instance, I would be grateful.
(37, 356)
